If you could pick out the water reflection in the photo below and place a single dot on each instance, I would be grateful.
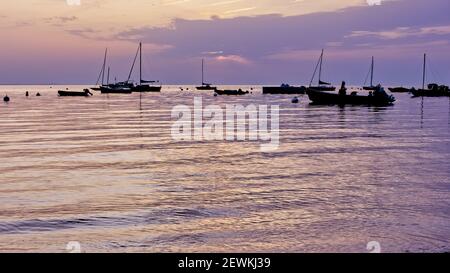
(105, 171)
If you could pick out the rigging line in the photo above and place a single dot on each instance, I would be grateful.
(367, 78)
(134, 62)
(99, 76)
(434, 74)
(315, 71)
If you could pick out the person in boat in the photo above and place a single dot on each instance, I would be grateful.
(88, 92)
(343, 90)
(379, 92)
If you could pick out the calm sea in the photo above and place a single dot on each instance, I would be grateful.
(105, 172)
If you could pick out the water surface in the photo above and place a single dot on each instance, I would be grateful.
(104, 171)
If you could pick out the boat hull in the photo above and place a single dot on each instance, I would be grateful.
(324, 98)
(108, 90)
(146, 88)
(284, 90)
(430, 93)
(73, 94)
(206, 88)
(399, 90)
(322, 88)
(231, 92)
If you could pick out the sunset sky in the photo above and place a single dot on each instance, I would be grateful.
(243, 41)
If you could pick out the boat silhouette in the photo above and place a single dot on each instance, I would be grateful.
(284, 89)
(67, 93)
(377, 98)
(371, 87)
(144, 85)
(322, 85)
(205, 86)
(400, 89)
(102, 74)
(238, 92)
(433, 89)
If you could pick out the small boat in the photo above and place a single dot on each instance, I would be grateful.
(144, 85)
(434, 90)
(102, 74)
(115, 90)
(67, 93)
(322, 85)
(371, 87)
(205, 86)
(232, 92)
(284, 89)
(400, 89)
(6, 98)
(377, 98)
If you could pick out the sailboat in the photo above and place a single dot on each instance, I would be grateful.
(322, 85)
(102, 74)
(144, 85)
(433, 89)
(371, 87)
(205, 86)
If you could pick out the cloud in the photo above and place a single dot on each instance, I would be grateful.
(232, 59)
(403, 32)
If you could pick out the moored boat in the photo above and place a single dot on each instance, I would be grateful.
(322, 85)
(371, 87)
(144, 85)
(67, 93)
(434, 90)
(284, 89)
(377, 98)
(102, 74)
(239, 92)
(205, 86)
(400, 89)
(115, 90)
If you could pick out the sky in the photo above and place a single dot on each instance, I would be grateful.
(242, 41)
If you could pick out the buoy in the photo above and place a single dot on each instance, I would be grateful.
(295, 100)
(6, 98)
(38, 94)
(27, 94)
(215, 95)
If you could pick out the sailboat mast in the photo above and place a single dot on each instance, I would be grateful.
(320, 67)
(424, 70)
(140, 63)
(104, 66)
(371, 75)
(203, 71)
(107, 81)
